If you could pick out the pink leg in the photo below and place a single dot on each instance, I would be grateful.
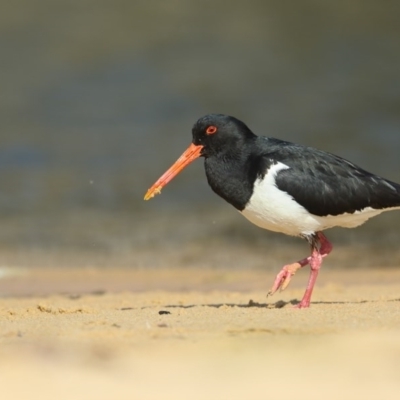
(315, 264)
(315, 260)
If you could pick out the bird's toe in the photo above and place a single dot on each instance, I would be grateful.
(283, 278)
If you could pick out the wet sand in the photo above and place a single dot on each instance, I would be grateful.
(195, 333)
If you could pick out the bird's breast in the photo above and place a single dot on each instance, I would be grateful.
(276, 210)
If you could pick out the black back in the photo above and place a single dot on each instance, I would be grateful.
(326, 184)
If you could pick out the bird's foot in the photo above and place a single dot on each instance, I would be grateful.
(303, 304)
(283, 278)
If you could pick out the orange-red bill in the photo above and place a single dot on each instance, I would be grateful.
(192, 152)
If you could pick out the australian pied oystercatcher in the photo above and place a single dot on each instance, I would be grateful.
(284, 187)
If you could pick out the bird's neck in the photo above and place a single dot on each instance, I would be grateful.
(231, 177)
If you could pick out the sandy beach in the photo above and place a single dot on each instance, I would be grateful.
(198, 333)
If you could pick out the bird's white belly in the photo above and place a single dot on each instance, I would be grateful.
(275, 210)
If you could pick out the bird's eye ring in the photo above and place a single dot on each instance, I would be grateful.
(211, 130)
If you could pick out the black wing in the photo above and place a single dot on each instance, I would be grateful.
(325, 184)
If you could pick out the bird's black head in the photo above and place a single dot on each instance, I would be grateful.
(218, 133)
(213, 135)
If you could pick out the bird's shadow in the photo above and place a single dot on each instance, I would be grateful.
(251, 304)
(278, 304)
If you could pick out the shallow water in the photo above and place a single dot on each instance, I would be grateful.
(98, 99)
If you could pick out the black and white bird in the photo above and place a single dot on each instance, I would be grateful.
(284, 187)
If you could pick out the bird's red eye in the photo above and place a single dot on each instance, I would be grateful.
(211, 130)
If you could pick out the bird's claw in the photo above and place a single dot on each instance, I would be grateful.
(283, 278)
